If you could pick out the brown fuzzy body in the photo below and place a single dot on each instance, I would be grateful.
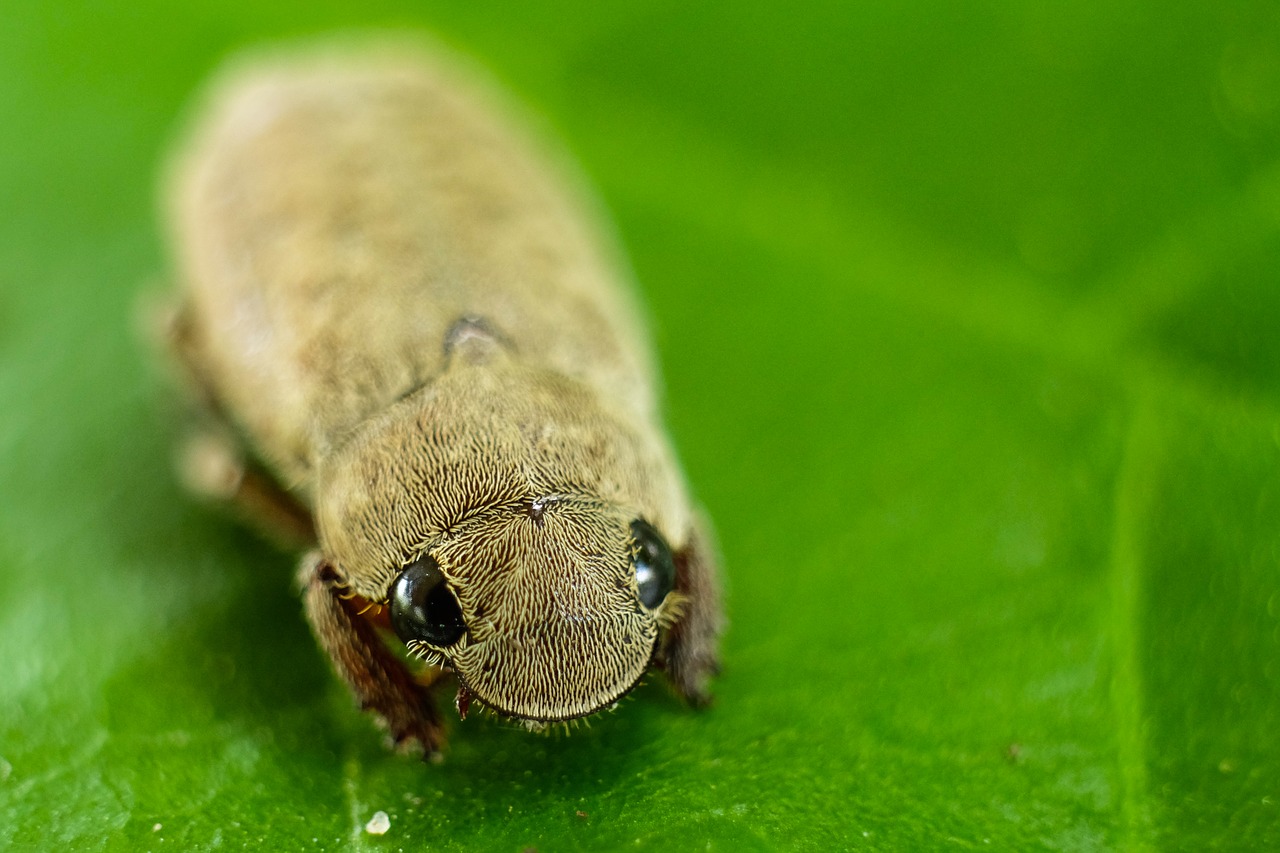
(421, 332)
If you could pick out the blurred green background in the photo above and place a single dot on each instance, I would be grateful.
(969, 314)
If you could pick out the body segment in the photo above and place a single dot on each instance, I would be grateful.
(336, 216)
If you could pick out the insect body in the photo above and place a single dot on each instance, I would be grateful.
(420, 336)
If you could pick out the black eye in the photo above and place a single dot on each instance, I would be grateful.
(655, 569)
(423, 608)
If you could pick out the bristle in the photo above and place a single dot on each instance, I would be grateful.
(672, 609)
(426, 654)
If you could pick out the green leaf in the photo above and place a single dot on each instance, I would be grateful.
(969, 316)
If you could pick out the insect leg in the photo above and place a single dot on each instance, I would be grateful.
(169, 326)
(212, 462)
(691, 653)
(381, 682)
(214, 467)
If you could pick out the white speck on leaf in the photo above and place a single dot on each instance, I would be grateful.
(378, 824)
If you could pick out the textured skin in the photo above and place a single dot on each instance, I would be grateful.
(417, 327)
